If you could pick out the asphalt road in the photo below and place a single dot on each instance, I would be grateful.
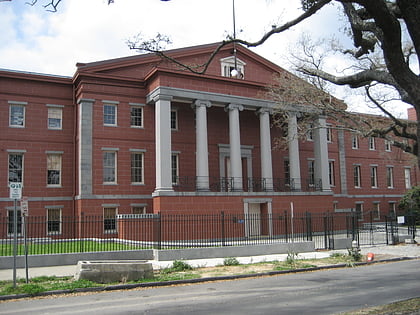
(321, 292)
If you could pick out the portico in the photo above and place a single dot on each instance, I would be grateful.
(201, 103)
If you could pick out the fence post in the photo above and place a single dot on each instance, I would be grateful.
(285, 226)
(81, 226)
(159, 230)
(222, 221)
(308, 218)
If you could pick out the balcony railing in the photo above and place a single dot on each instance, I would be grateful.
(251, 184)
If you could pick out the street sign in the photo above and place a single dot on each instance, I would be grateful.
(24, 205)
(15, 190)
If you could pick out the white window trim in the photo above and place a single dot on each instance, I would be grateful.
(60, 154)
(174, 110)
(407, 179)
(355, 144)
(138, 151)
(21, 104)
(110, 150)
(359, 175)
(230, 62)
(141, 106)
(114, 104)
(61, 220)
(390, 180)
(52, 106)
(116, 214)
(372, 143)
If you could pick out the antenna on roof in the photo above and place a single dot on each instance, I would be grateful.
(234, 72)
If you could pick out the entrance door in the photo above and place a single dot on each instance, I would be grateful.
(254, 219)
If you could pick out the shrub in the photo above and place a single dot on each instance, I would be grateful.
(231, 261)
(179, 265)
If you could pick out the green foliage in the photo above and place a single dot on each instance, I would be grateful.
(231, 261)
(355, 254)
(291, 258)
(410, 202)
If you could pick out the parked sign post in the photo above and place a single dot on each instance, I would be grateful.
(15, 194)
(24, 208)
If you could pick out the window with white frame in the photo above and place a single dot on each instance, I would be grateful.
(55, 117)
(286, 166)
(175, 169)
(357, 179)
(110, 220)
(17, 115)
(11, 222)
(407, 177)
(331, 173)
(329, 133)
(359, 210)
(174, 119)
(311, 172)
(53, 221)
(390, 176)
(388, 145)
(54, 169)
(138, 209)
(109, 167)
(136, 116)
(228, 66)
(15, 167)
(110, 114)
(354, 141)
(374, 176)
(376, 209)
(310, 133)
(392, 209)
(372, 145)
(137, 160)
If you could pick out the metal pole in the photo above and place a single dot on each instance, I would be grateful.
(26, 248)
(14, 242)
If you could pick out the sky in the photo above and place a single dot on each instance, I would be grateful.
(35, 40)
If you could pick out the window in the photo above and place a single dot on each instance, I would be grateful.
(11, 221)
(390, 177)
(17, 115)
(55, 118)
(359, 210)
(228, 65)
(329, 133)
(15, 168)
(374, 176)
(138, 210)
(372, 145)
(354, 141)
(109, 167)
(110, 220)
(331, 173)
(357, 176)
(175, 168)
(136, 116)
(388, 145)
(392, 209)
(53, 221)
(110, 115)
(407, 178)
(286, 165)
(310, 133)
(376, 210)
(54, 169)
(174, 119)
(311, 173)
(137, 168)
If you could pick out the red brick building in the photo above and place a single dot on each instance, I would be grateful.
(141, 135)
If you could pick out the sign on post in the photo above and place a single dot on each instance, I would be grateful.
(15, 190)
(24, 207)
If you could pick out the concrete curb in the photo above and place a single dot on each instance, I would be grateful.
(197, 280)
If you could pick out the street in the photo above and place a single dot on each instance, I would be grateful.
(321, 292)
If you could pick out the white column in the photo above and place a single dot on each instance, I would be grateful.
(163, 143)
(235, 145)
(202, 159)
(294, 160)
(321, 153)
(265, 144)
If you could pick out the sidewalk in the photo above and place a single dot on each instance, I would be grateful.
(381, 252)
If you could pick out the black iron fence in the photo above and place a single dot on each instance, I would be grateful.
(170, 231)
